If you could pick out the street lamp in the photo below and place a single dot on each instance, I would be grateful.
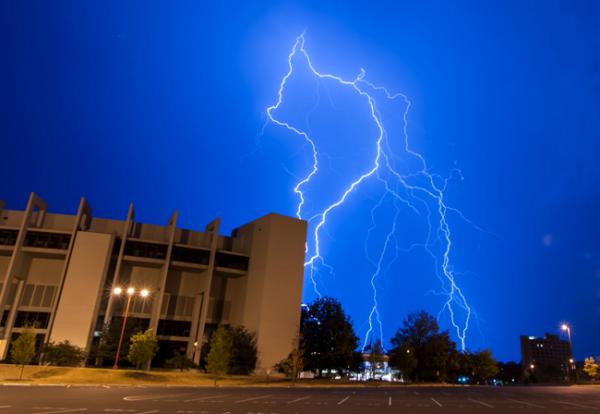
(130, 292)
(566, 328)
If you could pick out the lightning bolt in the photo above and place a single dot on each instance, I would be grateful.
(419, 191)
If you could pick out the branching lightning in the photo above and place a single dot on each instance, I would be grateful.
(419, 191)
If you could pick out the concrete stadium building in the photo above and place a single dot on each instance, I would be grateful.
(58, 273)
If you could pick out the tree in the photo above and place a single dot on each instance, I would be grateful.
(243, 351)
(104, 350)
(404, 359)
(63, 354)
(179, 361)
(485, 367)
(327, 337)
(590, 367)
(143, 348)
(219, 357)
(509, 372)
(357, 363)
(432, 349)
(23, 348)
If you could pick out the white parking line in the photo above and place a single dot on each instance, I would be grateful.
(437, 402)
(526, 403)
(576, 405)
(73, 410)
(299, 399)
(389, 401)
(340, 402)
(253, 398)
(151, 397)
(149, 412)
(206, 398)
(482, 403)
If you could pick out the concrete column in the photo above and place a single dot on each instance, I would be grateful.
(157, 297)
(116, 278)
(84, 213)
(14, 265)
(213, 228)
(10, 321)
(192, 348)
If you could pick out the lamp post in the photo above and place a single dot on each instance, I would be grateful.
(566, 328)
(130, 292)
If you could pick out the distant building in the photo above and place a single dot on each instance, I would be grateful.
(548, 357)
(377, 371)
(58, 273)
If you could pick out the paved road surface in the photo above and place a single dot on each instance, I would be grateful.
(381, 400)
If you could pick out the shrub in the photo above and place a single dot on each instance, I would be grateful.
(63, 354)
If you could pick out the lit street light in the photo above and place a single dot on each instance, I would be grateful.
(567, 329)
(130, 292)
(570, 367)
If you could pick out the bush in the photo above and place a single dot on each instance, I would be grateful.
(219, 357)
(292, 365)
(63, 354)
(143, 348)
(23, 348)
(243, 352)
(179, 361)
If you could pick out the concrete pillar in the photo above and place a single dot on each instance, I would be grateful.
(159, 295)
(198, 336)
(14, 266)
(116, 279)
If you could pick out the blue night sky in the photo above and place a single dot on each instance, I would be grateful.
(163, 104)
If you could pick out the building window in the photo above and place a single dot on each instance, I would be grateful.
(38, 320)
(47, 240)
(143, 249)
(189, 255)
(8, 237)
(168, 327)
(232, 261)
(38, 296)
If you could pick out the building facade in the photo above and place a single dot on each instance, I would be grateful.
(547, 358)
(59, 272)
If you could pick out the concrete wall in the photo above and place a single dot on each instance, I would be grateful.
(77, 307)
(42, 271)
(273, 296)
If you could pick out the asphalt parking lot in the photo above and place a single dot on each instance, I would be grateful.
(154, 400)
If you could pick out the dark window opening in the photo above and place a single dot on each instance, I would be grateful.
(185, 254)
(143, 249)
(232, 261)
(169, 327)
(8, 237)
(47, 240)
(37, 320)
